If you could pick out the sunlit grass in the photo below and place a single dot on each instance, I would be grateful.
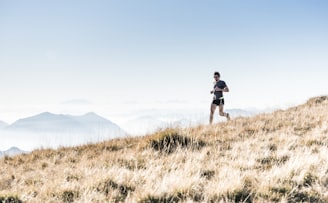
(277, 157)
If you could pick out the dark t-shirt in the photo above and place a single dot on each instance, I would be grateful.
(220, 84)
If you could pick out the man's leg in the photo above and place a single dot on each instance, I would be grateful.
(223, 113)
(213, 107)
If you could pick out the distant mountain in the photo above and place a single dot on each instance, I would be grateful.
(48, 122)
(12, 152)
(55, 130)
(98, 125)
(3, 124)
(89, 123)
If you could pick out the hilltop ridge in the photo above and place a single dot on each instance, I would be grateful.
(272, 157)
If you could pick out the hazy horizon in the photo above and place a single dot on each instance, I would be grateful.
(51, 130)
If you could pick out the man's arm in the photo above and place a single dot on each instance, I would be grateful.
(226, 89)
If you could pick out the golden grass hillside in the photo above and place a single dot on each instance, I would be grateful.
(276, 157)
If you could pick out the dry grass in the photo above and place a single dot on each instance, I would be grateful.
(278, 157)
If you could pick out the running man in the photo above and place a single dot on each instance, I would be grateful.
(218, 100)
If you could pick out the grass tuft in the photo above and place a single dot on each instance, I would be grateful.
(69, 196)
(270, 161)
(110, 186)
(166, 198)
(169, 141)
(309, 180)
(241, 195)
(208, 174)
(10, 199)
(300, 196)
(317, 100)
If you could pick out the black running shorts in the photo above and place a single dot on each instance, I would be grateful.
(218, 102)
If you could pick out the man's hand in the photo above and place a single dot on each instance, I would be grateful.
(212, 92)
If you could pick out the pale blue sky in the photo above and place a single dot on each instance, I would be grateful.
(118, 55)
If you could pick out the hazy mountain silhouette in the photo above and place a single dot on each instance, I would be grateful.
(55, 130)
(89, 123)
(12, 152)
(3, 124)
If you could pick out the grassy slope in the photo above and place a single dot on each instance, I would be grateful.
(278, 157)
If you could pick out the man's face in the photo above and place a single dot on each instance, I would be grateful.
(216, 77)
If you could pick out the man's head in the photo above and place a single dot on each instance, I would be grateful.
(216, 76)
